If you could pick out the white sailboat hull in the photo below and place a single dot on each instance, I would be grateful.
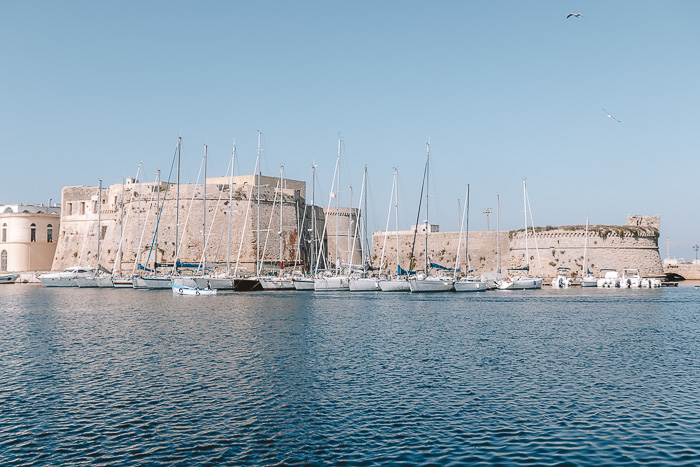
(276, 283)
(331, 283)
(431, 284)
(217, 283)
(470, 286)
(589, 281)
(155, 283)
(395, 285)
(364, 284)
(303, 284)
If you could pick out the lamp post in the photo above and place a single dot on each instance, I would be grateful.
(487, 211)
(696, 248)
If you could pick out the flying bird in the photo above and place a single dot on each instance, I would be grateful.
(608, 114)
(575, 15)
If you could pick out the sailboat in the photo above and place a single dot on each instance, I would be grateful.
(332, 280)
(364, 281)
(512, 282)
(154, 281)
(307, 282)
(588, 279)
(250, 283)
(281, 281)
(467, 283)
(97, 279)
(398, 283)
(426, 282)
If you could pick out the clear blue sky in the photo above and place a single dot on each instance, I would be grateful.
(504, 90)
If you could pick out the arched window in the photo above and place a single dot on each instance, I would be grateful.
(3, 261)
(32, 237)
(4, 233)
(49, 233)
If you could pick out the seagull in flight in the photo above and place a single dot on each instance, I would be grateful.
(608, 114)
(575, 15)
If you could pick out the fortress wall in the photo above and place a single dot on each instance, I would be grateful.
(609, 247)
(78, 236)
(565, 248)
(442, 249)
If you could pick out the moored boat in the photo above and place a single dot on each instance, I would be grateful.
(184, 290)
(8, 278)
(68, 277)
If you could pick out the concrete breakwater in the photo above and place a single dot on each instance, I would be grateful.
(128, 219)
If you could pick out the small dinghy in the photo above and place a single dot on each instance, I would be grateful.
(185, 290)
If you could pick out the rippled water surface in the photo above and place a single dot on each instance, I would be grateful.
(571, 377)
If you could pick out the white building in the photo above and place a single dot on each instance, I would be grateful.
(28, 237)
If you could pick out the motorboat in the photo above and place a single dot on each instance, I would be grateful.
(609, 278)
(427, 283)
(519, 283)
(99, 280)
(184, 290)
(68, 277)
(631, 279)
(650, 283)
(8, 278)
(562, 281)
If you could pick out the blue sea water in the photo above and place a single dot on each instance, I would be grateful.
(550, 377)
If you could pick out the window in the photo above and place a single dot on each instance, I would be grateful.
(103, 232)
(69, 209)
(94, 207)
(4, 233)
(3, 261)
(82, 208)
(32, 234)
(49, 233)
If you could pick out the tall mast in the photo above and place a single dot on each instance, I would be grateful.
(466, 241)
(527, 254)
(99, 222)
(365, 245)
(177, 200)
(313, 217)
(257, 244)
(138, 218)
(337, 210)
(585, 252)
(396, 184)
(204, 213)
(121, 228)
(498, 233)
(230, 209)
(281, 225)
(155, 237)
(427, 190)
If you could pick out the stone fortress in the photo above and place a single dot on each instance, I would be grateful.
(634, 245)
(127, 220)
